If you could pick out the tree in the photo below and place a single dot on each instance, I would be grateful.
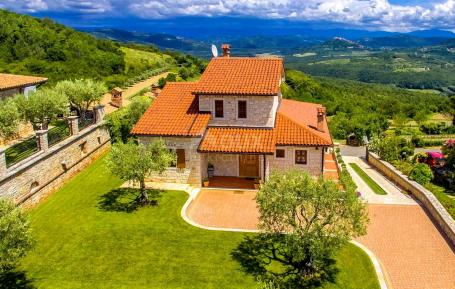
(391, 148)
(82, 93)
(303, 223)
(9, 118)
(15, 238)
(122, 121)
(134, 162)
(41, 107)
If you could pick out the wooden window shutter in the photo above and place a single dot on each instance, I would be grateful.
(180, 158)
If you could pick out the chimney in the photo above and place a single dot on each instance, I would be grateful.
(155, 89)
(226, 50)
(321, 116)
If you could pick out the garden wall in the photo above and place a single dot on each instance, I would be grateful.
(429, 201)
(32, 179)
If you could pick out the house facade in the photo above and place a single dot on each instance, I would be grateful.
(233, 122)
(12, 84)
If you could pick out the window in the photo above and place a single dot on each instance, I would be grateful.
(279, 154)
(180, 158)
(301, 157)
(242, 109)
(219, 109)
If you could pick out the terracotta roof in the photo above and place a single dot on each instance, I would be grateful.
(241, 76)
(10, 81)
(296, 124)
(238, 140)
(173, 113)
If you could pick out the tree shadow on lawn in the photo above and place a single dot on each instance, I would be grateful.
(14, 279)
(126, 200)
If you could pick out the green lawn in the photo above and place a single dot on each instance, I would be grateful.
(369, 181)
(88, 237)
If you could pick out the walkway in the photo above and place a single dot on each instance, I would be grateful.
(130, 91)
(410, 247)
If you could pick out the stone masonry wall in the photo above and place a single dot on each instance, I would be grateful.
(438, 213)
(226, 165)
(261, 110)
(9, 92)
(31, 180)
(191, 174)
(313, 166)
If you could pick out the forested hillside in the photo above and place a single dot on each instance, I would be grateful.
(42, 47)
(359, 108)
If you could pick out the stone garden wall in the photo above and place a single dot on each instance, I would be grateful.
(428, 200)
(30, 180)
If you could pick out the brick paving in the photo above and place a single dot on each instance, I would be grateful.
(403, 238)
(225, 209)
(410, 247)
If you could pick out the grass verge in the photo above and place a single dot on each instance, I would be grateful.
(368, 180)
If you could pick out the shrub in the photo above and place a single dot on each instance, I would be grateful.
(403, 166)
(392, 148)
(433, 127)
(421, 173)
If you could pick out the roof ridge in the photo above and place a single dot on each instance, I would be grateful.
(304, 128)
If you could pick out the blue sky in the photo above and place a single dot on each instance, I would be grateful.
(388, 15)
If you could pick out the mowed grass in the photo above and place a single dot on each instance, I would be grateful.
(368, 180)
(87, 239)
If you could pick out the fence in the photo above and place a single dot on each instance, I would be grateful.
(47, 138)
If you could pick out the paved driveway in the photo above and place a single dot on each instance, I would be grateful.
(233, 209)
(411, 249)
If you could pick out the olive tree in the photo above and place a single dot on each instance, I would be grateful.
(82, 93)
(9, 118)
(134, 162)
(41, 107)
(15, 238)
(303, 223)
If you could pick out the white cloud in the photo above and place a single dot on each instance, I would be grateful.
(379, 14)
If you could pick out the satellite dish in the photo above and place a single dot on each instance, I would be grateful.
(214, 51)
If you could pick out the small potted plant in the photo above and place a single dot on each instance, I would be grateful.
(206, 182)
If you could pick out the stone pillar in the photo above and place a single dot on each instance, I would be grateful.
(99, 113)
(73, 123)
(41, 138)
(3, 167)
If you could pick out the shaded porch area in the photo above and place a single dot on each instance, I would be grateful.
(232, 183)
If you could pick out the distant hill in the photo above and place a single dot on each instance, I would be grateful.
(162, 40)
(401, 41)
(43, 47)
(339, 43)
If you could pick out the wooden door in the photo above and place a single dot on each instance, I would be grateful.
(249, 166)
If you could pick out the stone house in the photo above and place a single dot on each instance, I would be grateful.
(11, 84)
(234, 123)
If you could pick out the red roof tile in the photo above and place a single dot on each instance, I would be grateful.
(173, 113)
(296, 124)
(238, 140)
(241, 76)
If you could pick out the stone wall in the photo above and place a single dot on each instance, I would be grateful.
(9, 92)
(191, 174)
(438, 213)
(313, 166)
(261, 110)
(32, 179)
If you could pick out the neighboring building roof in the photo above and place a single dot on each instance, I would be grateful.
(241, 76)
(10, 81)
(175, 112)
(238, 140)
